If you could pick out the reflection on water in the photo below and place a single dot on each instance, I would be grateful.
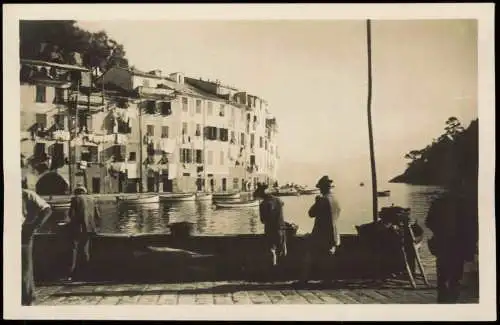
(355, 203)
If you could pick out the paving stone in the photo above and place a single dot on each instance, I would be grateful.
(168, 299)
(240, 297)
(186, 299)
(259, 297)
(327, 298)
(310, 297)
(110, 300)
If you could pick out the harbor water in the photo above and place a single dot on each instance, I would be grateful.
(355, 202)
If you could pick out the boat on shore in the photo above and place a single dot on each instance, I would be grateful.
(309, 191)
(59, 204)
(177, 197)
(138, 199)
(286, 192)
(237, 205)
(204, 196)
(384, 193)
(226, 196)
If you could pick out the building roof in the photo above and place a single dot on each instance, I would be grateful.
(54, 65)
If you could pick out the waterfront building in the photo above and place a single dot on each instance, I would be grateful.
(195, 135)
(134, 131)
(60, 113)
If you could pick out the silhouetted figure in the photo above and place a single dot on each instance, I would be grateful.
(325, 237)
(453, 220)
(82, 226)
(271, 215)
(35, 213)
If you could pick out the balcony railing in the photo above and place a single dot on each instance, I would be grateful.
(156, 92)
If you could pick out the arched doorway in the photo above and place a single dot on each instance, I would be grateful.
(52, 183)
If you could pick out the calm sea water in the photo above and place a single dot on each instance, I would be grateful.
(355, 201)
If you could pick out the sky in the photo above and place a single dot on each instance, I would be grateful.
(314, 76)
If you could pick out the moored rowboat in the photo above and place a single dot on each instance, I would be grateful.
(226, 196)
(138, 199)
(286, 192)
(310, 191)
(204, 196)
(237, 205)
(59, 204)
(177, 197)
(384, 193)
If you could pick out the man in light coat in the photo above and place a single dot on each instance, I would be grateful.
(325, 237)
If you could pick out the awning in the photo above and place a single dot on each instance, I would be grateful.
(53, 64)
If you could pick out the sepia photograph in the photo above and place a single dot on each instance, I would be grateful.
(247, 160)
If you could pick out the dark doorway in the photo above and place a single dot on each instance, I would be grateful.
(151, 184)
(96, 185)
(212, 184)
(122, 178)
(224, 185)
(167, 184)
(199, 184)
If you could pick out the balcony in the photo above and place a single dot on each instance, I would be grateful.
(92, 103)
(158, 93)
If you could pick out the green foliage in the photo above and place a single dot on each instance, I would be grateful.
(57, 40)
(454, 155)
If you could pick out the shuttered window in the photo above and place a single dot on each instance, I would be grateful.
(41, 94)
(41, 120)
(164, 131)
(150, 130)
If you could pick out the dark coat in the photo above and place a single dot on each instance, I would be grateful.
(453, 220)
(83, 215)
(271, 214)
(326, 211)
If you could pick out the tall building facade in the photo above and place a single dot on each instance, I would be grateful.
(149, 132)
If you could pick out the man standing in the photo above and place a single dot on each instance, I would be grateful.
(271, 215)
(325, 237)
(35, 213)
(453, 220)
(83, 216)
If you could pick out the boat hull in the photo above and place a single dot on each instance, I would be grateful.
(384, 193)
(204, 197)
(139, 200)
(177, 197)
(236, 205)
(226, 196)
(286, 193)
(310, 192)
(59, 205)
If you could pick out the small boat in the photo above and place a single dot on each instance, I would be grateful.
(60, 204)
(361, 184)
(204, 196)
(177, 197)
(309, 191)
(138, 199)
(383, 193)
(237, 205)
(286, 192)
(226, 196)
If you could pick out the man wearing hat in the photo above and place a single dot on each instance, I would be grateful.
(271, 215)
(325, 237)
(83, 216)
(36, 211)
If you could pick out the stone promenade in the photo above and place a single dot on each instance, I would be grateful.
(238, 292)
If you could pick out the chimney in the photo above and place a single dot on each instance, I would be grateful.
(156, 72)
(178, 77)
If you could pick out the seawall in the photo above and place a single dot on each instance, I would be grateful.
(159, 257)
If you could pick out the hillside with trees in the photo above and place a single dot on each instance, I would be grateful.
(62, 41)
(454, 153)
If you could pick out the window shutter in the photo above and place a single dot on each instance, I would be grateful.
(90, 126)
